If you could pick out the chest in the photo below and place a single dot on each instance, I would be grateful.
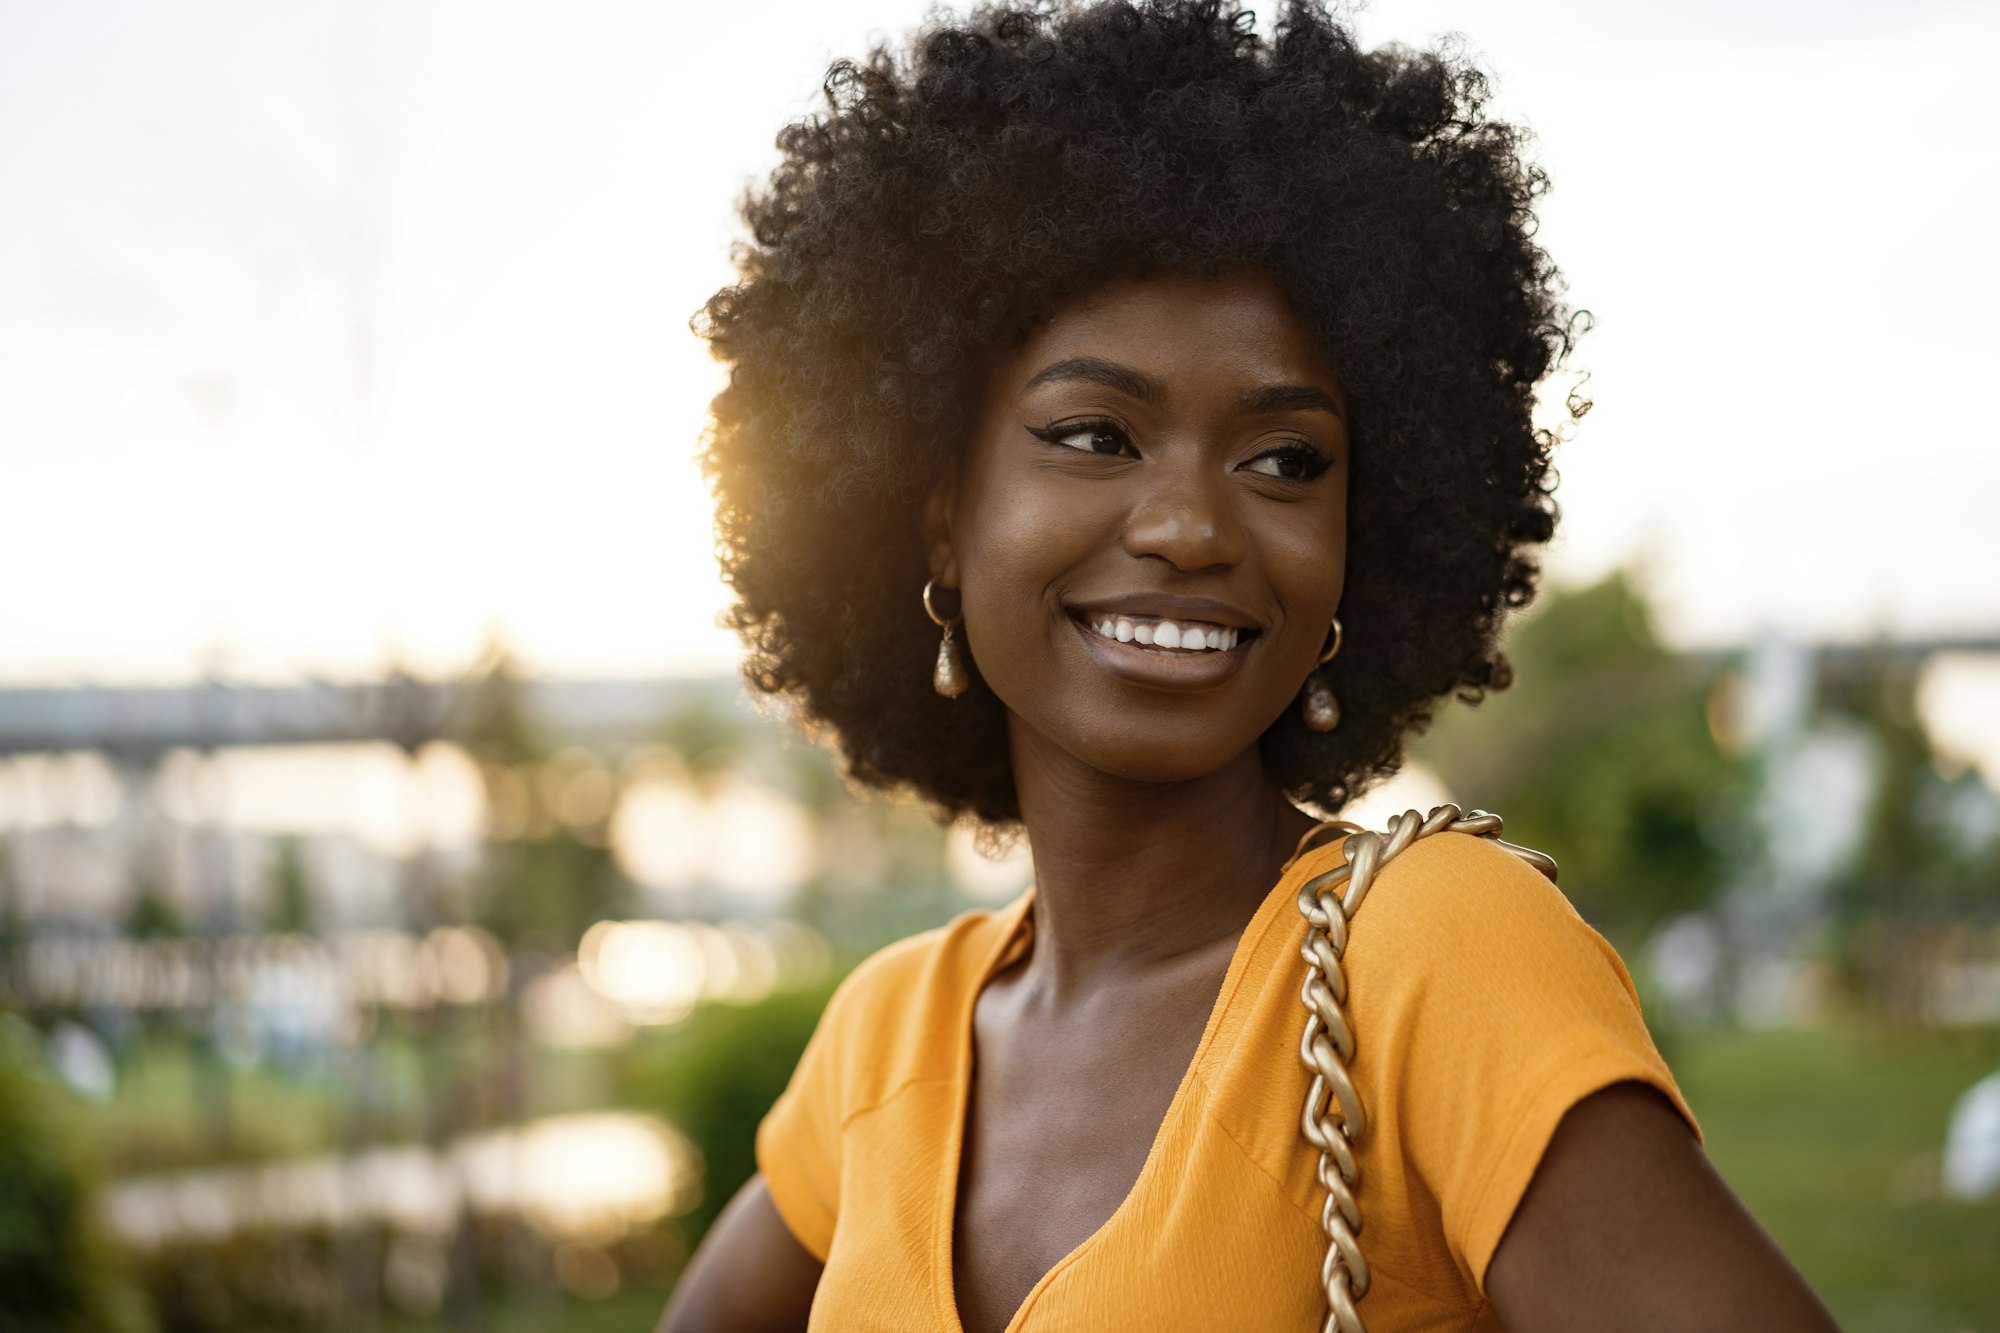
(1060, 1121)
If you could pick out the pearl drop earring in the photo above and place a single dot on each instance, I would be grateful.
(948, 678)
(1322, 710)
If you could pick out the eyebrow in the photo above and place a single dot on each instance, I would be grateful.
(1138, 384)
(1108, 373)
(1289, 398)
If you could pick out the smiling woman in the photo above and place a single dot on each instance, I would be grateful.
(1184, 378)
(1166, 451)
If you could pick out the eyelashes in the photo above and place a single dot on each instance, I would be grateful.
(1295, 460)
(1298, 461)
(1099, 431)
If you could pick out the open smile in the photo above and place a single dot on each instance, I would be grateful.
(1164, 636)
(1162, 653)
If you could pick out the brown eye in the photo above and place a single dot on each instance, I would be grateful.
(1293, 462)
(1095, 440)
(1088, 437)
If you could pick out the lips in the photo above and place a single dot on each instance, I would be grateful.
(1175, 653)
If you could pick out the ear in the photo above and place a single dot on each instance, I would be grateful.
(935, 523)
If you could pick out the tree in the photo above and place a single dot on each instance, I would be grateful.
(58, 1272)
(1915, 874)
(539, 878)
(290, 904)
(1601, 754)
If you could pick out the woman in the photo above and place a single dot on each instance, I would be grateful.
(1183, 377)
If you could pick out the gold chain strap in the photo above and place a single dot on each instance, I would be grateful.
(1327, 1047)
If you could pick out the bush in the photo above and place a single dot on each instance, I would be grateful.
(717, 1076)
(58, 1271)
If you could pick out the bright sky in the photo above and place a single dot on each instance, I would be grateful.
(333, 333)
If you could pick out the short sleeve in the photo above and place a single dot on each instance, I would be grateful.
(886, 1028)
(798, 1142)
(1501, 1009)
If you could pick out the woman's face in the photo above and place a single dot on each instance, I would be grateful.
(1148, 527)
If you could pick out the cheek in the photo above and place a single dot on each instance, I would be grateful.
(1306, 553)
(1023, 533)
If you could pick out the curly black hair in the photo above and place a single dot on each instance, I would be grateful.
(951, 194)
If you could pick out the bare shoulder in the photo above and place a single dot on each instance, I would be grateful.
(1625, 1224)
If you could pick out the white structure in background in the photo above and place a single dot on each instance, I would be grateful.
(651, 973)
(1971, 1168)
(744, 846)
(1686, 959)
(1817, 778)
(593, 1176)
(83, 1060)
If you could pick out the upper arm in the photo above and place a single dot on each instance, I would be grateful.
(751, 1275)
(1626, 1225)
(1486, 1010)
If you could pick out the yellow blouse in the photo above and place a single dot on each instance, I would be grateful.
(1483, 1008)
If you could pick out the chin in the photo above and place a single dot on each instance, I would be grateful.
(1152, 751)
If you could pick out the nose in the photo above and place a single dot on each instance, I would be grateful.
(1186, 515)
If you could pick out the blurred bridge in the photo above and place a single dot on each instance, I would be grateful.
(140, 723)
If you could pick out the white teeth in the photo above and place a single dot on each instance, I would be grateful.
(1168, 634)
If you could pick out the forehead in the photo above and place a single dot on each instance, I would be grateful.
(1235, 326)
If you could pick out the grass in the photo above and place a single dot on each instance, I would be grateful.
(1832, 1138)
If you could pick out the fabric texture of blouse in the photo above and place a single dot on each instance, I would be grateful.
(1483, 1008)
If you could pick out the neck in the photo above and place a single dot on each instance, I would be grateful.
(1130, 874)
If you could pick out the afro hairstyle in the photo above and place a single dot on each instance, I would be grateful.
(952, 192)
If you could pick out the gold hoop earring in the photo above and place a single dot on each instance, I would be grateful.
(1321, 709)
(948, 677)
(1333, 643)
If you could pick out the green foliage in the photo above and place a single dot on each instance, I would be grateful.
(715, 1078)
(632, 1310)
(1915, 876)
(1910, 864)
(152, 914)
(1601, 755)
(290, 902)
(550, 888)
(494, 723)
(708, 738)
(58, 1274)
(12, 928)
(543, 881)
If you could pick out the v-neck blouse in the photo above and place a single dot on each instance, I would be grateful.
(1483, 1008)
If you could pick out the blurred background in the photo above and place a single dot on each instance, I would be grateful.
(404, 918)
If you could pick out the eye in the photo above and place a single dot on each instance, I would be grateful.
(1297, 461)
(1088, 437)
